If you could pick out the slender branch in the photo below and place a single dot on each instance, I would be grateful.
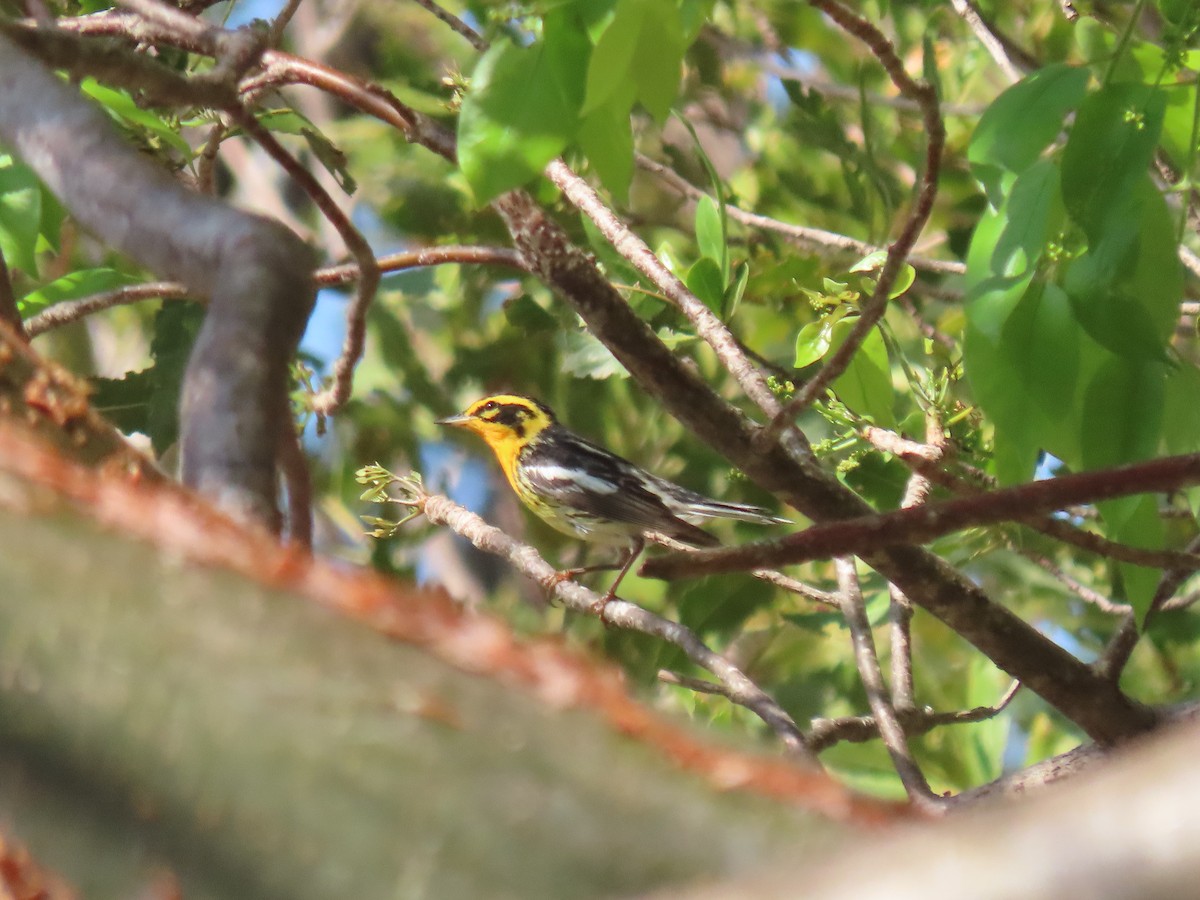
(924, 523)
(1076, 587)
(618, 613)
(991, 42)
(900, 608)
(72, 310)
(331, 400)
(803, 235)
(855, 611)
(281, 22)
(795, 586)
(708, 326)
(920, 457)
(858, 729)
(1121, 645)
(875, 306)
(206, 164)
(457, 25)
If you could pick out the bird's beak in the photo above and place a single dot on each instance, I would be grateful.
(460, 421)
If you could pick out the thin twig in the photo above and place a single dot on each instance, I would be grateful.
(857, 729)
(206, 166)
(873, 308)
(708, 326)
(900, 609)
(619, 613)
(72, 310)
(281, 22)
(1121, 646)
(855, 612)
(920, 458)
(457, 25)
(803, 235)
(331, 400)
(797, 587)
(991, 42)
(1076, 587)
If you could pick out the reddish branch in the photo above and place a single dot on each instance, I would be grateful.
(921, 524)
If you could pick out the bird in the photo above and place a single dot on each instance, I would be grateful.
(587, 491)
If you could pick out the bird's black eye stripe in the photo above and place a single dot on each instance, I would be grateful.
(510, 414)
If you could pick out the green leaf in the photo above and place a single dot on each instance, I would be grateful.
(148, 401)
(20, 214)
(705, 281)
(522, 108)
(125, 401)
(874, 261)
(658, 59)
(1122, 412)
(523, 312)
(1022, 122)
(585, 357)
(813, 340)
(866, 385)
(606, 137)
(73, 286)
(710, 234)
(733, 293)
(1181, 417)
(1032, 212)
(1126, 290)
(1110, 148)
(1135, 521)
(331, 158)
(284, 120)
(122, 108)
(642, 44)
(1042, 344)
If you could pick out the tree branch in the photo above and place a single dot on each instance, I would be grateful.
(922, 524)
(802, 235)
(72, 310)
(867, 660)
(858, 729)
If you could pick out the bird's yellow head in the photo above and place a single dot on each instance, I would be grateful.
(506, 422)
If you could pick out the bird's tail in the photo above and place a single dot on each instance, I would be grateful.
(743, 512)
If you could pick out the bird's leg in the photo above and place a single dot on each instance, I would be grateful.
(631, 555)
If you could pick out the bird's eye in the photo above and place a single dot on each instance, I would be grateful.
(490, 406)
